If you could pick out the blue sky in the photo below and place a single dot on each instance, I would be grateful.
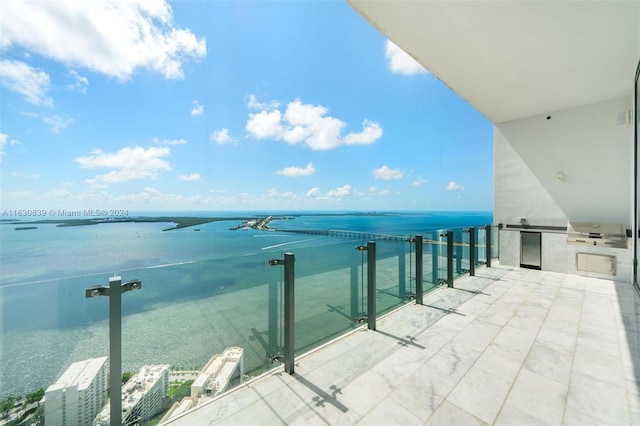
(197, 105)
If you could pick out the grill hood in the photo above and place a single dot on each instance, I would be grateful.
(597, 234)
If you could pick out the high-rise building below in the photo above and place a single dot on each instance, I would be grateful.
(142, 396)
(78, 395)
(222, 373)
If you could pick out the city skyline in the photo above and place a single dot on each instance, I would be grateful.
(227, 106)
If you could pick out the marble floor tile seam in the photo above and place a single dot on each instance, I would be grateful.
(587, 308)
(601, 400)
(474, 363)
(523, 364)
(573, 359)
(442, 350)
(601, 332)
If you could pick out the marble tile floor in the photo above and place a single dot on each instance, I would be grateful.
(525, 348)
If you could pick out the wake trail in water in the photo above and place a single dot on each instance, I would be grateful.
(94, 274)
(170, 264)
(289, 243)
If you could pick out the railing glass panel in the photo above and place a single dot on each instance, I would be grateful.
(442, 256)
(481, 245)
(330, 292)
(394, 277)
(182, 315)
(430, 261)
(458, 252)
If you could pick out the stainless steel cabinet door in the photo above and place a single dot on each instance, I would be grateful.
(530, 250)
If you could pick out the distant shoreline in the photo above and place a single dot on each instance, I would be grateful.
(180, 221)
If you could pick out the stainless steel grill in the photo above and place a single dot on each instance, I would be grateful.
(597, 234)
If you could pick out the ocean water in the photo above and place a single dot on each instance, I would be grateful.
(201, 291)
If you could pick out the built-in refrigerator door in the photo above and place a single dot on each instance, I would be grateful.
(530, 250)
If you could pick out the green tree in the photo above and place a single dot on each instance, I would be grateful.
(126, 376)
(7, 404)
(35, 396)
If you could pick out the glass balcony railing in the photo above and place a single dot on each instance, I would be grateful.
(187, 312)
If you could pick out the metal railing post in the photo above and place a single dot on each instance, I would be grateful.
(487, 239)
(114, 292)
(371, 285)
(435, 261)
(402, 273)
(370, 248)
(115, 350)
(419, 271)
(449, 258)
(472, 251)
(458, 252)
(289, 311)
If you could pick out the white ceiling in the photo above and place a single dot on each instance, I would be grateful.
(515, 59)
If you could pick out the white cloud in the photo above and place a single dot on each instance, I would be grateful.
(452, 186)
(23, 79)
(343, 191)
(107, 36)
(275, 193)
(419, 181)
(298, 171)
(253, 103)
(400, 62)
(150, 195)
(3, 142)
(265, 125)
(190, 178)
(371, 132)
(96, 183)
(374, 191)
(385, 173)
(130, 163)
(309, 124)
(57, 123)
(79, 83)
(313, 192)
(169, 142)
(222, 137)
(197, 109)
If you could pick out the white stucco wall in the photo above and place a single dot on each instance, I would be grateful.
(593, 154)
(586, 146)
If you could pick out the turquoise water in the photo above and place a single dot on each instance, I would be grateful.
(202, 291)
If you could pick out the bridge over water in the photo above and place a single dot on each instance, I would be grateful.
(352, 234)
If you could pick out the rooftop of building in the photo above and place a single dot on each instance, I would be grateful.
(79, 374)
(135, 388)
(218, 361)
(529, 347)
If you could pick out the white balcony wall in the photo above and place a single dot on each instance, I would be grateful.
(585, 146)
(573, 166)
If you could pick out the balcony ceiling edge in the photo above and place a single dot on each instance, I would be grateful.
(512, 60)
